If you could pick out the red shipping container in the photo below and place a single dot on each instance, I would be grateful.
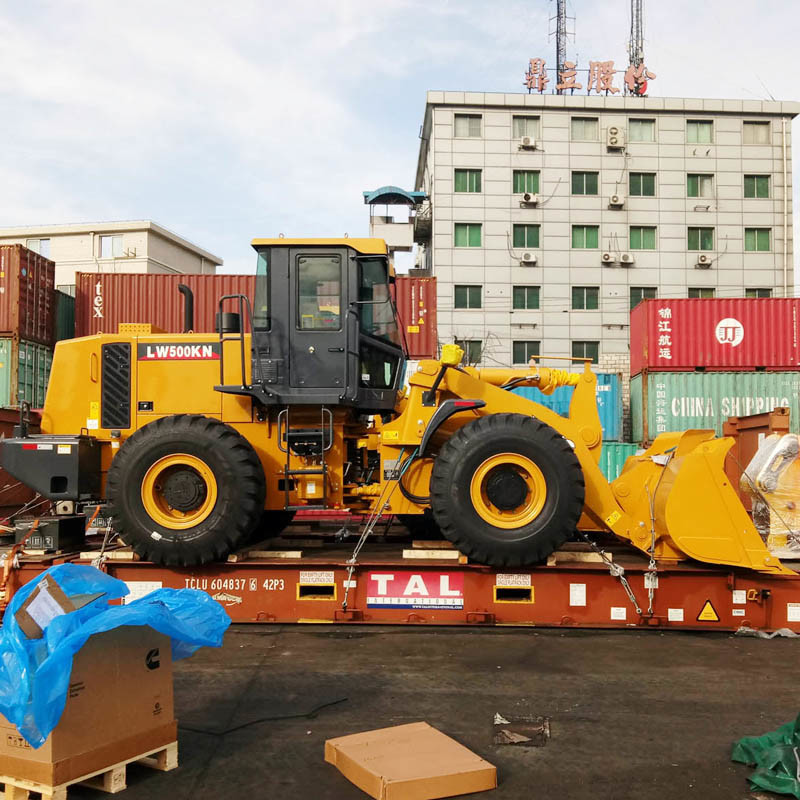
(103, 300)
(27, 295)
(415, 299)
(715, 334)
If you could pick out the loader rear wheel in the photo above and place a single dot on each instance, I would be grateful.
(507, 490)
(185, 490)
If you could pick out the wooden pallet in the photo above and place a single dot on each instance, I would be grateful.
(111, 779)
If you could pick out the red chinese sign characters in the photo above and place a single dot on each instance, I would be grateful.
(600, 77)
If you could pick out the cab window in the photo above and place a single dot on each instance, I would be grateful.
(319, 293)
(376, 311)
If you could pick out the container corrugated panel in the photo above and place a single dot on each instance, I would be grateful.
(27, 295)
(65, 316)
(104, 300)
(24, 372)
(677, 401)
(415, 299)
(718, 334)
(613, 457)
(609, 402)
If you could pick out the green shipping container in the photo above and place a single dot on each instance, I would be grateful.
(677, 401)
(65, 316)
(24, 372)
(613, 457)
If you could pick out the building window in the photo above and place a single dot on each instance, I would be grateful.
(526, 298)
(585, 298)
(467, 125)
(756, 186)
(526, 180)
(526, 236)
(755, 132)
(467, 180)
(111, 246)
(472, 350)
(468, 234)
(757, 240)
(523, 351)
(699, 131)
(643, 237)
(642, 184)
(699, 185)
(584, 182)
(698, 292)
(585, 237)
(700, 239)
(642, 130)
(525, 126)
(467, 297)
(40, 246)
(585, 129)
(67, 288)
(639, 293)
(589, 350)
(758, 292)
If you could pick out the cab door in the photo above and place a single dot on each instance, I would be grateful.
(318, 331)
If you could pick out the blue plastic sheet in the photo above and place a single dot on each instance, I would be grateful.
(34, 673)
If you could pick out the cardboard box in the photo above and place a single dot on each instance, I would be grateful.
(409, 762)
(119, 706)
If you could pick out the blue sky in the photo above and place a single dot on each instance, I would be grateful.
(224, 122)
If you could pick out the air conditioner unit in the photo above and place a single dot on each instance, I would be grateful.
(607, 258)
(615, 138)
(527, 143)
(130, 252)
(616, 201)
(626, 259)
(704, 261)
(529, 199)
(528, 259)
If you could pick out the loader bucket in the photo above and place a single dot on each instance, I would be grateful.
(698, 512)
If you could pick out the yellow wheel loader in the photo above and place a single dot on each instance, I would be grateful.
(200, 442)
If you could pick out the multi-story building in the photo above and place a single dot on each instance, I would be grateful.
(551, 216)
(138, 246)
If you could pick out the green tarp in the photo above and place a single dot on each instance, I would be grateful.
(776, 756)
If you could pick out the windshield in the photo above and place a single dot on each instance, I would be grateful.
(376, 311)
(261, 307)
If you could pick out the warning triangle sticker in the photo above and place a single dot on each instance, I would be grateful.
(707, 613)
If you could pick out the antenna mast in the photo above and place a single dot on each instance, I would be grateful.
(562, 35)
(636, 43)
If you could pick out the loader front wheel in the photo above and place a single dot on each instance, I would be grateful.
(507, 490)
(185, 490)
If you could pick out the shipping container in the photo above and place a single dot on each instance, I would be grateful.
(613, 457)
(65, 316)
(415, 299)
(718, 334)
(104, 300)
(27, 295)
(676, 401)
(609, 402)
(24, 372)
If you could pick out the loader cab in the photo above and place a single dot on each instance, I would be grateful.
(325, 327)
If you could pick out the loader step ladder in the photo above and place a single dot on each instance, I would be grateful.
(305, 443)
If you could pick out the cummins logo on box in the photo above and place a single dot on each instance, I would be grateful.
(168, 351)
(729, 331)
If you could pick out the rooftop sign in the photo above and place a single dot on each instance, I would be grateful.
(600, 77)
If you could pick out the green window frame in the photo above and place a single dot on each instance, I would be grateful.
(642, 184)
(467, 126)
(701, 292)
(699, 131)
(467, 296)
(758, 292)
(757, 240)
(642, 237)
(473, 350)
(526, 180)
(522, 350)
(756, 186)
(467, 180)
(585, 237)
(755, 132)
(525, 126)
(585, 182)
(585, 129)
(525, 235)
(525, 298)
(584, 349)
(700, 239)
(642, 130)
(467, 234)
(639, 293)
(699, 185)
(585, 298)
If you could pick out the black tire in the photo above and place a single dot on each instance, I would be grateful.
(236, 470)
(470, 448)
(421, 525)
(270, 525)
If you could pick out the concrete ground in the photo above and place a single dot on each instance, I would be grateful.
(633, 714)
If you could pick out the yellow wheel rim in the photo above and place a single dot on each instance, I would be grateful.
(535, 491)
(154, 500)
